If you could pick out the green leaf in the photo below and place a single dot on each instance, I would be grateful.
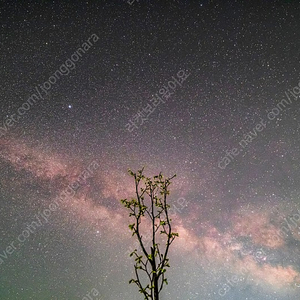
(131, 226)
(132, 252)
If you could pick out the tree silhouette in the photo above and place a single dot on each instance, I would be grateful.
(151, 261)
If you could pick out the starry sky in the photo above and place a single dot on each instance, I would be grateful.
(205, 89)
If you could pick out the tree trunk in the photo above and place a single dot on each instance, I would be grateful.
(156, 296)
(155, 279)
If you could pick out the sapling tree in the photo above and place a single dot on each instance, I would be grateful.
(149, 209)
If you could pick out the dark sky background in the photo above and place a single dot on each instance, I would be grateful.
(242, 61)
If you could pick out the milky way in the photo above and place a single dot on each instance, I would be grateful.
(229, 131)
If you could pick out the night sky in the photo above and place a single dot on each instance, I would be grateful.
(208, 90)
